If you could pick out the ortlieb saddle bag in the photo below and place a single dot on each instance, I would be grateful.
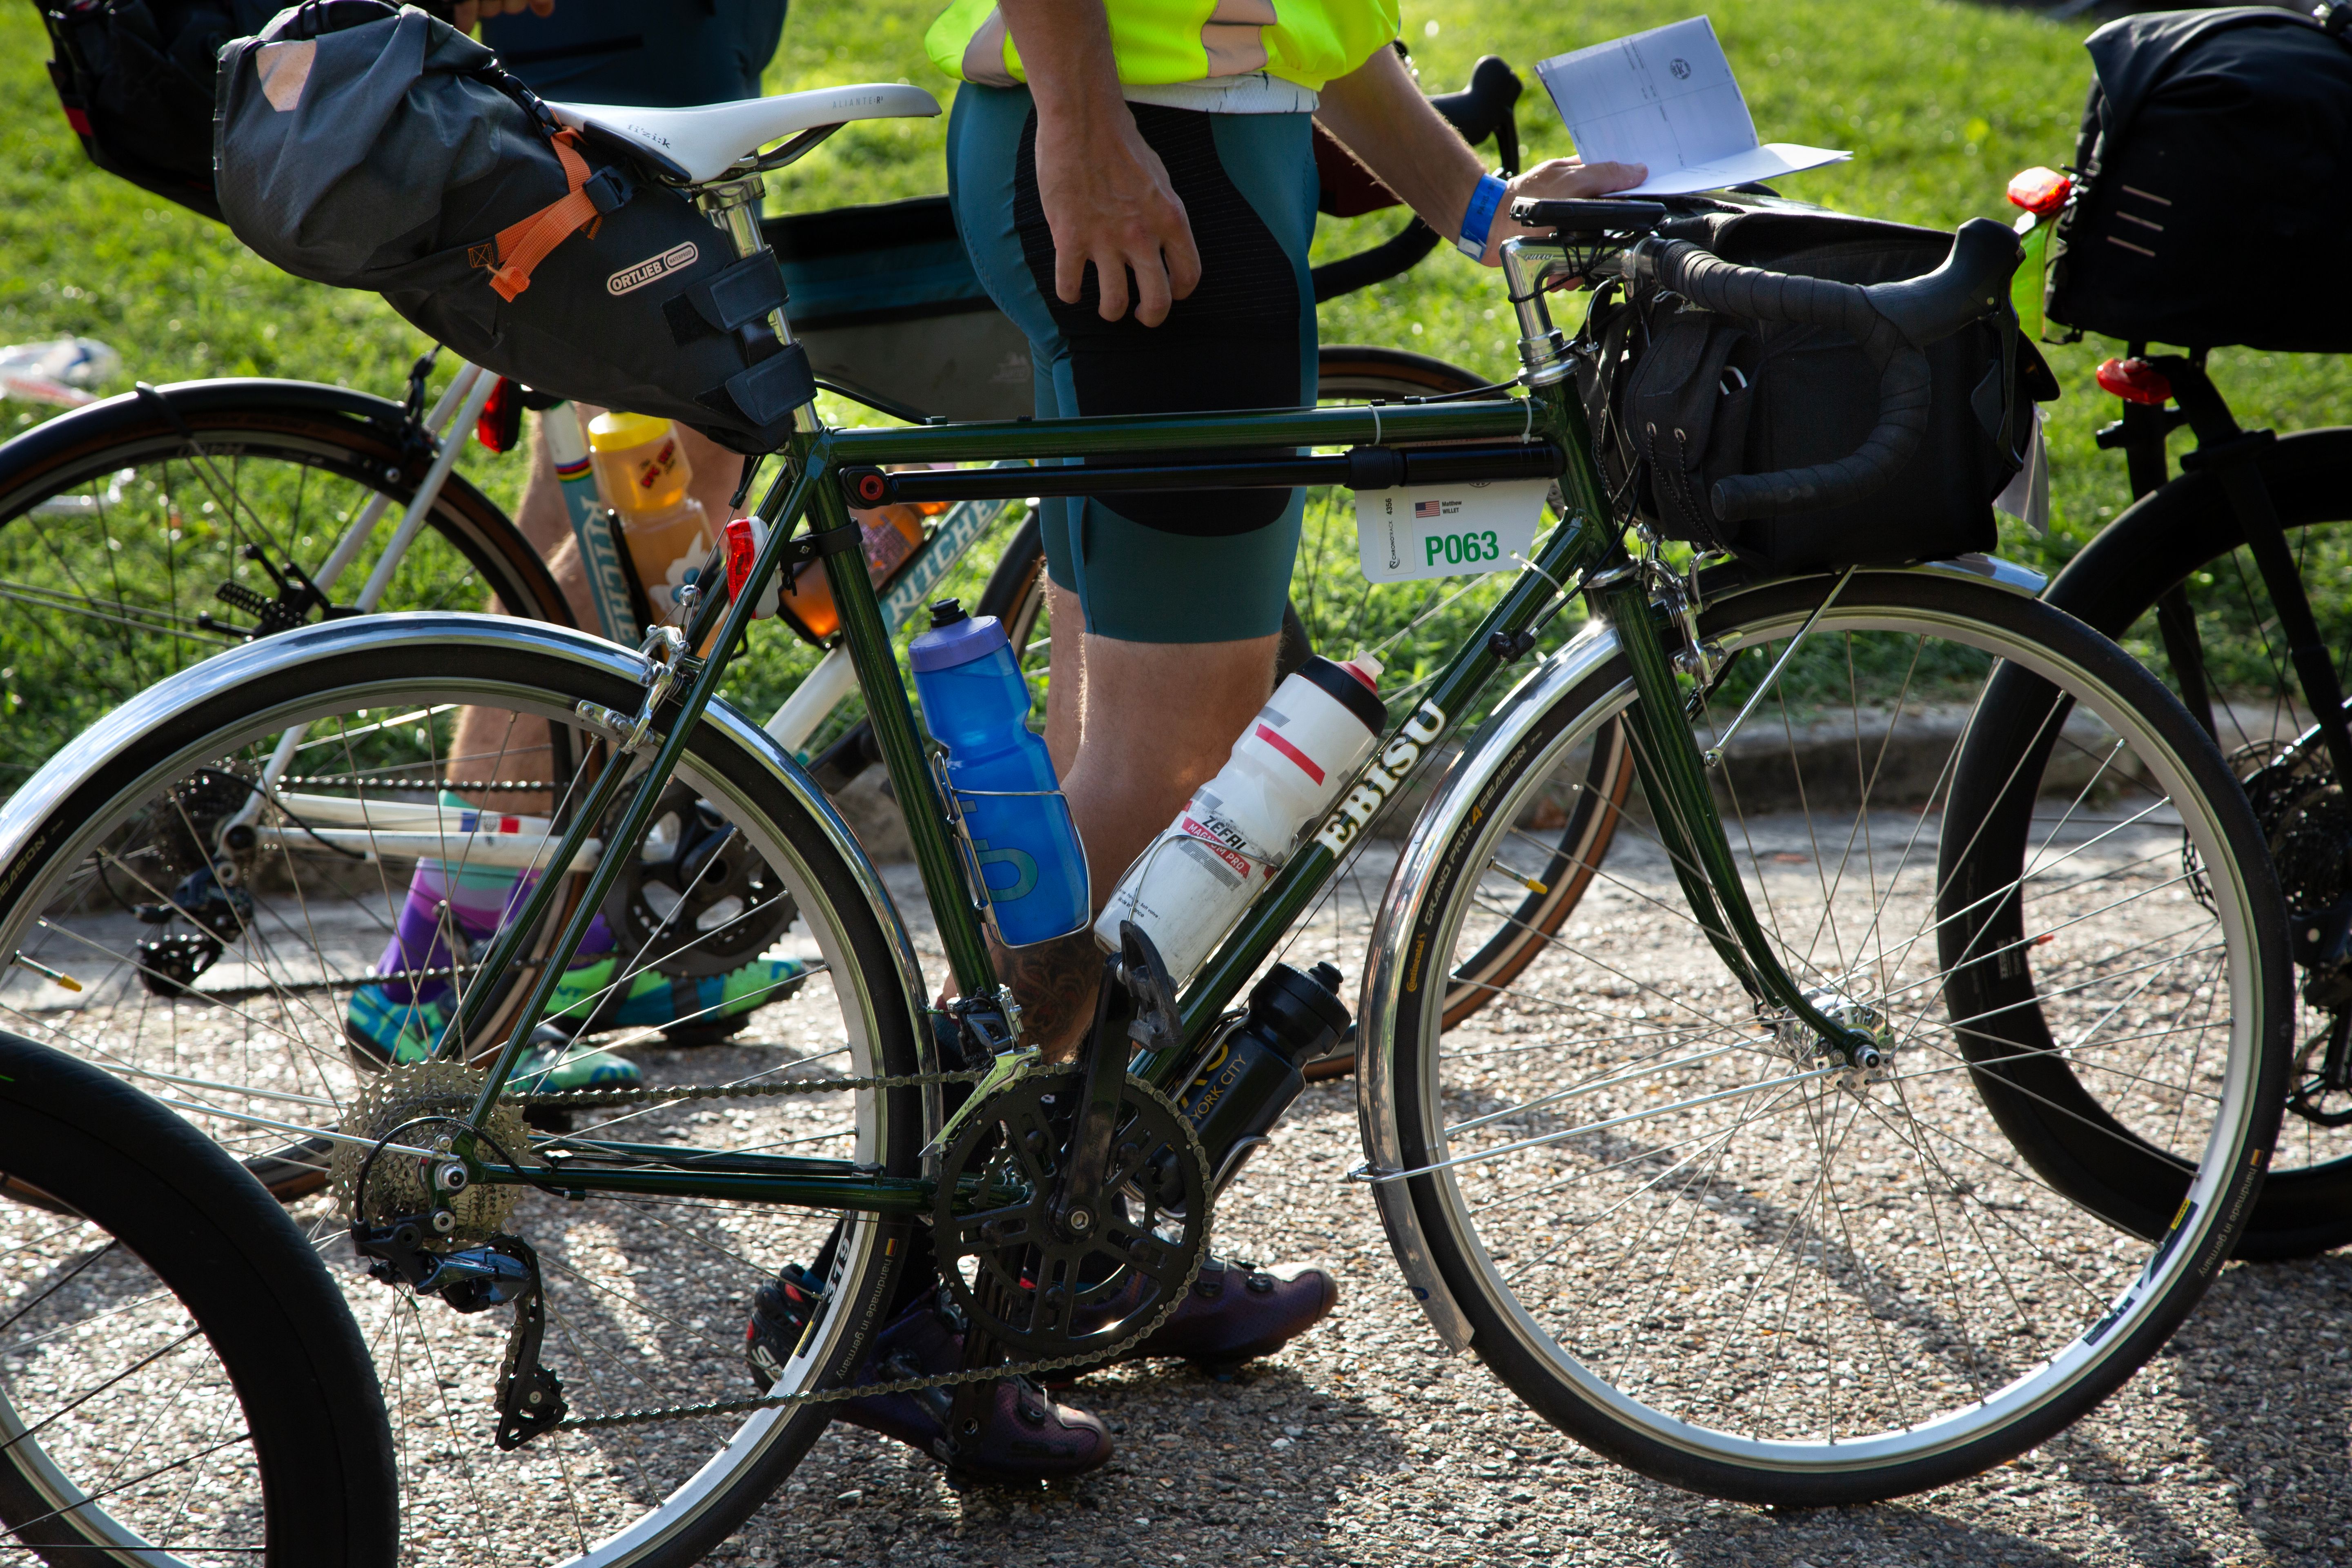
(2213, 142)
(136, 81)
(1678, 398)
(381, 150)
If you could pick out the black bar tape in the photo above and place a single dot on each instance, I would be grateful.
(1756, 295)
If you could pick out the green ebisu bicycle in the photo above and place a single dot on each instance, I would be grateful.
(1711, 1183)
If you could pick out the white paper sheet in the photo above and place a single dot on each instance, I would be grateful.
(1667, 99)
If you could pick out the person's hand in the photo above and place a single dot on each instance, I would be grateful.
(1557, 179)
(472, 11)
(1109, 201)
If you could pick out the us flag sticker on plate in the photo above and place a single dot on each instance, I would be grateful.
(1447, 531)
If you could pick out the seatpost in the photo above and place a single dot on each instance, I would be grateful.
(734, 206)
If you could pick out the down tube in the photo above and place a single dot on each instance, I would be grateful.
(1575, 545)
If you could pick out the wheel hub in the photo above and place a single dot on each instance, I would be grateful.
(1868, 1051)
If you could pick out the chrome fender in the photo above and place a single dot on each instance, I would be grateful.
(1383, 996)
(29, 817)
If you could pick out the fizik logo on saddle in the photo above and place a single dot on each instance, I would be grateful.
(630, 278)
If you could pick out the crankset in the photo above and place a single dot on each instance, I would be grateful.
(1069, 1285)
(696, 900)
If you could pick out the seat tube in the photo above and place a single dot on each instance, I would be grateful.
(893, 718)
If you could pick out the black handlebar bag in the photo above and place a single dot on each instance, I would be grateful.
(1678, 398)
(2217, 145)
(381, 150)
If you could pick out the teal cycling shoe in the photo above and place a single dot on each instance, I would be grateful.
(385, 1032)
(380, 1030)
(687, 1012)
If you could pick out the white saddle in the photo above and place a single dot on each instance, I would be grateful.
(703, 144)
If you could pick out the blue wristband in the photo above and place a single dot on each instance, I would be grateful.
(1484, 203)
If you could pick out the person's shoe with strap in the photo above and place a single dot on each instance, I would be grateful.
(687, 1012)
(1025, 1435)
(1235, 1312)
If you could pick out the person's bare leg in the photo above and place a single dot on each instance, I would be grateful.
(1142, 752)
(1065, 688)
(512, 749)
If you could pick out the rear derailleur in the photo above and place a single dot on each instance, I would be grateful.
(474, 1280)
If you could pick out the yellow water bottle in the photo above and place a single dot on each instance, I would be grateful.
(643, 470)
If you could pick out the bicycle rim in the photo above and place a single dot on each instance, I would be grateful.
(1697, 1243)
(273, 1041)
(125, 530)
(2186, 534)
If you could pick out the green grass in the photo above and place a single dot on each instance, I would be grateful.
(1938, 101)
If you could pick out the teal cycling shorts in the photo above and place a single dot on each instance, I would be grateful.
(1180, 566)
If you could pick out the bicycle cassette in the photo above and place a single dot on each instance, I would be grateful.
(398, 1184)
(696, 900)
(1028, 1283)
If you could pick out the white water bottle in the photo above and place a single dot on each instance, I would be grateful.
(1192, 882)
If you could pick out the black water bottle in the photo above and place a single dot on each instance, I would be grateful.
(1252, 1074)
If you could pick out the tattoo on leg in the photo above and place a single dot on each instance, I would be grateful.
(1055, 982)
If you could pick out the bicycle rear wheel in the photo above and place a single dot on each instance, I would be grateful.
(125, 528)
(179, 1381)
(1325, 615)
(1695, 1241)
(2187, 534)
(277, 1049)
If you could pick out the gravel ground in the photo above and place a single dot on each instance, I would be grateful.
(1365, 1443)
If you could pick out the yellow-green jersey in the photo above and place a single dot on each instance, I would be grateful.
(1164, 43)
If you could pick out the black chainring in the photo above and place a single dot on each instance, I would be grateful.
(1018, 1278)
(696, 900)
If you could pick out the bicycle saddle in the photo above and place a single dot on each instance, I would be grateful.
(697, 144)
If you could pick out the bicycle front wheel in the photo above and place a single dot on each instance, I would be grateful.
(144, 533)
(1694, 1239)
(283, 984)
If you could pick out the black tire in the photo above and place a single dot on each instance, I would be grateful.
(668, 1493)
(1579, 826)
(124, 1168)
(1744, 1300)
(108, 558)
(2187, 529)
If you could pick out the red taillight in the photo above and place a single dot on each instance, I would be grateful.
(500, 426)
(2039, 190)
(2134, 381)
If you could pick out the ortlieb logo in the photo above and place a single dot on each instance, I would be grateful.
(674, 260)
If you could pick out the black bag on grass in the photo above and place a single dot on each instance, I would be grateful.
(1679, 398)
(136, 81)
(2216, 148)
(381, 150)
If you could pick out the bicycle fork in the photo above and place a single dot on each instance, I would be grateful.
(1690, 828)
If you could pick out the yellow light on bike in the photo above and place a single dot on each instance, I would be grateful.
(2039, 190)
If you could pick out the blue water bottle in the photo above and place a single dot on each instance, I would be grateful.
(977, 706)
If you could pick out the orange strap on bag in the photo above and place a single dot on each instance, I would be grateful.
(522, 245)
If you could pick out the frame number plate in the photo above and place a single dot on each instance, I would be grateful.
(1447, 531)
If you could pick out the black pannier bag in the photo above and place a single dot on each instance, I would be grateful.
(2217, 146)
(136, 81)
(370, 149)
(1678, 398)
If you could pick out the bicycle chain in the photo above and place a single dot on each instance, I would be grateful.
(863, 1390)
